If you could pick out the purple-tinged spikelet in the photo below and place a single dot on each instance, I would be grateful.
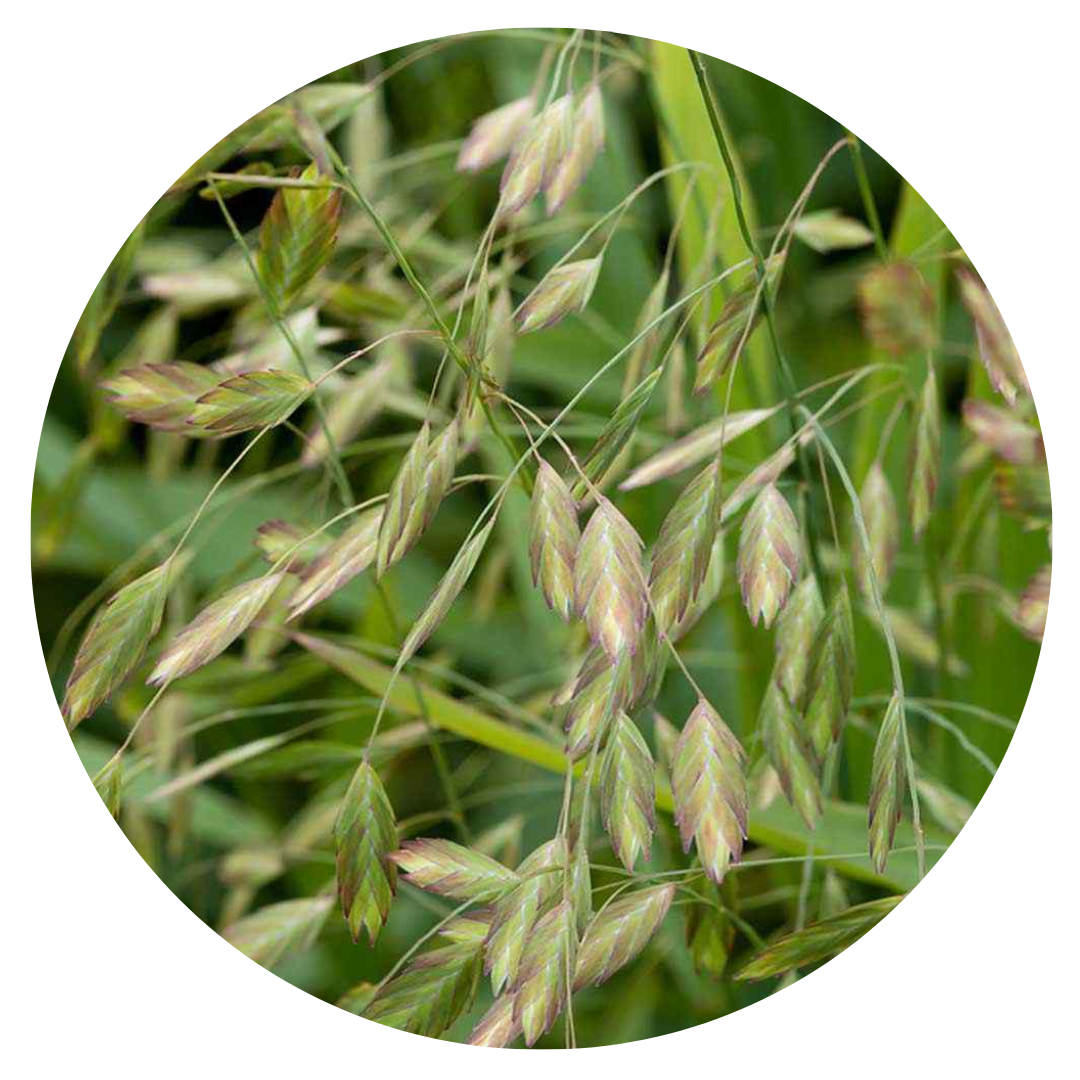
(494, 135)
(768, 563)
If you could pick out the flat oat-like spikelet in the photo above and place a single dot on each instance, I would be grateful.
(600, 690)
(214, 629)
(707, 592)
(397, 530)
(446, 868)
(497, 1027)
(364, 836)
(609, 581)
(897, 307)
(278, 540)
(536, 155)
(562, 291)
(628, 792)
(114, 644)
(832, 676)
(887, 783)
(513, 916)
(768, 562)
(790, 753)
(684, 548)
(709, 787)
(351, 554)
(925, 456)
(878, 507)
(1004, 432)
(553, 540)
(1034, 603)
(996, 347)
(445, 594)
(796, 631)
(494, 135)
(434, 991)
(540, 991)
(162, 396)
(255, 399)
(586, 142)
(266, 935)
(618, 933)
(297, 238)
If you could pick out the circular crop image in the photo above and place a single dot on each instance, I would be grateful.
(541, 538)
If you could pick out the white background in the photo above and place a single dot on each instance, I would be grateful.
(105, 970)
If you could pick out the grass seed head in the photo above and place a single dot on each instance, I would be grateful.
(997, 350)
(790, 753)
(214, 629)
(563, 291)
(554, 536)
(618, 933)
(769, 555)
(540, 991)
(494, 135)
(161, 396)
(925, 457)
(796, 631)
(878, 508)
(832, 676)
(1034, 603)
(628, 792)
(898, 308)
(536, 156)
(448, 869)
(255, 399)
(887, 783)
(586, 142)
(349, 555)
(1009, 436)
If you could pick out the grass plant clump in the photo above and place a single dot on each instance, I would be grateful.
(531, 552)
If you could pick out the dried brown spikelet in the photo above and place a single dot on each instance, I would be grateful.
(790, 753)
(494, 135)
(297, 238)
(996, 347)
(162, 396)
(1006, 434)
(618, 933)
(832, 676)
(878, 508)
(513, 916)
(736, 323)
(887, 783)
(897, 308)
(114, 644)
(536, 155)
(446, 592)
(434, 991)
(364, 836)
(255, 399)
(553, 540)
(541, 990)
(701, 443)
(278, 540)
(628, 792)
(796, 632)
(350, 554)
(448, 869)
(1034, 603)
(562, 291)
(615, 436)
(609, 581)
(925, 456)
(769, 555)
(684, 548)
(214, 629)
(586, 142)
(268, 934)
(709, 787)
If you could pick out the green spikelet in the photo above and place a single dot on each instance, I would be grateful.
(255, 399)
(162, 396)
(768, 563)
(887, 783)
(796, 632)
(297, 238)
(514, 915)
(832, 676)
(684, 548)
(434, 991)
(709, 788)
(446, 868)
(628, 792)
(553, 540)
(878, 508)
(397, 533)
(114, 644)
(547, 965)
(618, 933)
(270, 933)
(351, 554)
(925, 456)
(364, 836)
(790, 754)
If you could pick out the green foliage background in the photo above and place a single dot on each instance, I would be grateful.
(103, 489)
